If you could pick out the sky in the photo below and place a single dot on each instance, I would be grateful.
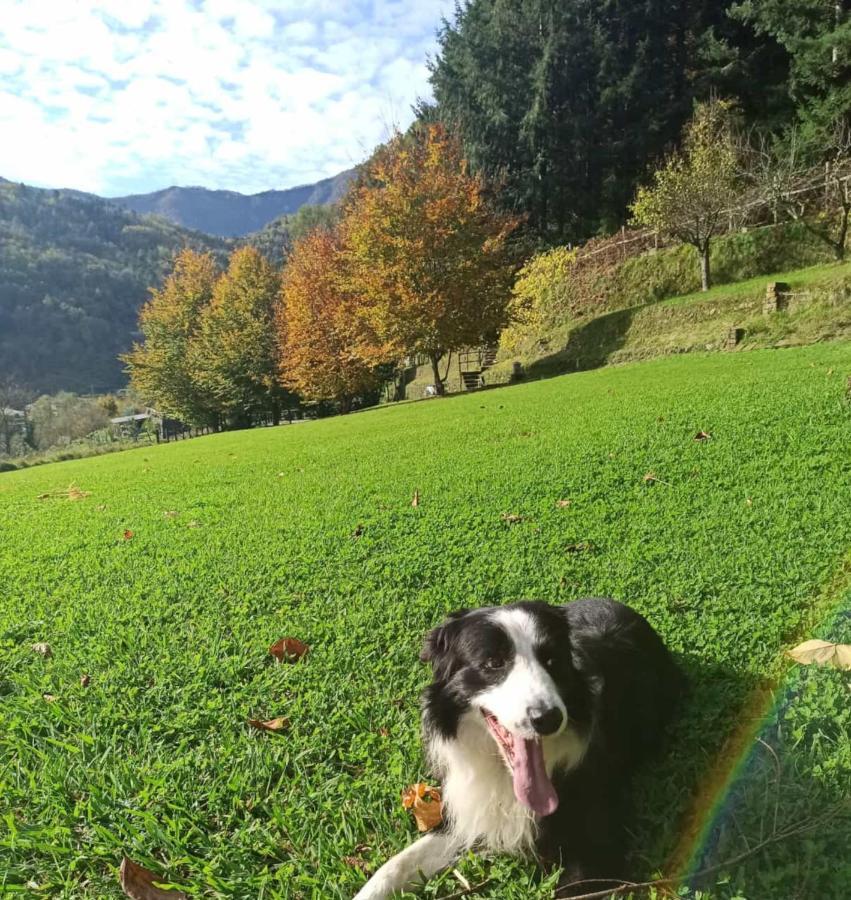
(129, 96)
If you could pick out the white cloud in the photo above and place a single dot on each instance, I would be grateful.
(119, 97)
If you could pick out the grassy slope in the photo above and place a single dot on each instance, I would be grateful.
(683, 324)
(728, 553)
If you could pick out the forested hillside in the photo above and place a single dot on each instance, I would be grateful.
(74, 270)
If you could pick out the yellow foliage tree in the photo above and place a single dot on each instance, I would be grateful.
(694, 191)
(233, 355)
(159, 368)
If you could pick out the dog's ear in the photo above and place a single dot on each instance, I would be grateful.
(439, 639)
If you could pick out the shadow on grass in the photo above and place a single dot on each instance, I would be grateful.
(589, 346)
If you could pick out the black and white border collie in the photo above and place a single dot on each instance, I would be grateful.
(536, 719)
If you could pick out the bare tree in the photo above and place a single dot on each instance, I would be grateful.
(805, 181)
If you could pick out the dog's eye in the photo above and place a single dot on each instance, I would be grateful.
(494, 662)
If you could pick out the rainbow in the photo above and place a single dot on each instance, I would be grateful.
(716, 797)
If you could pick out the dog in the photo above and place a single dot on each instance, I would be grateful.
(535, 721)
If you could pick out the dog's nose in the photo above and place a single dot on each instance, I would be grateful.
(547, 721)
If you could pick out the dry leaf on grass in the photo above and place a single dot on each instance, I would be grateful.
(822, 653)
(85, 680)
(703, 436)
(511, 518)
(140, 884)
(49, 698)
(43, 649)
(278, 724)
(288, 649)
(128, 534)
(356, 863)
(425, 804)
(581, 547)
(72, 492)
(415, 500)
(561, 504)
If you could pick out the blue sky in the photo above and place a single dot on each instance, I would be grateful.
(126, 96)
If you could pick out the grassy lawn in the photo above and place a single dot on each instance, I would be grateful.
(797, 279)
(738, 546)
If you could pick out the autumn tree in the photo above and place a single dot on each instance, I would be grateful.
(425, 255)
(320, 351)
(232, 354)
(160, 367)
(694, 190)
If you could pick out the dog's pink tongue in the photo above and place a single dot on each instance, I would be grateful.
(532, 786)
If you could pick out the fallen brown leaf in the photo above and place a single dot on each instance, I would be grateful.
(561, 504)
(425, 804)
(140, 884)
(43, 649)
(128, 534)
(822, 653)
(384, 732)
(278, 724)
(415, 500)
(288, 649)
(85, 680)
(511, 518)
(703, 436)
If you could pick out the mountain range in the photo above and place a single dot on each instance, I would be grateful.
(76, 268)
(230, 214)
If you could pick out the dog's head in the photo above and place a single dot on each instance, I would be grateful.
(510, 670)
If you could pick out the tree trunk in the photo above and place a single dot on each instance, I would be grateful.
(276, 412)
(839, 249)
(438, 381)
(705, 280)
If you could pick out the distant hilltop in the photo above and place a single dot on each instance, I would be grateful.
(231, 214)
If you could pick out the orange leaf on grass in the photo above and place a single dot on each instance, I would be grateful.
(288, 649)
(425, 803)
(128, 534)
(141, 884)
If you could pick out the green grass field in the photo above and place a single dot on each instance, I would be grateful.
(736, 547)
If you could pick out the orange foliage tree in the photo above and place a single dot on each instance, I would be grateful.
(428, 259)
(321, 356)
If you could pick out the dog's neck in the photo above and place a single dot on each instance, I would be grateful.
(477, 786)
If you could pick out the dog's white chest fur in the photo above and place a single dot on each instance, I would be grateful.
(478, 790)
